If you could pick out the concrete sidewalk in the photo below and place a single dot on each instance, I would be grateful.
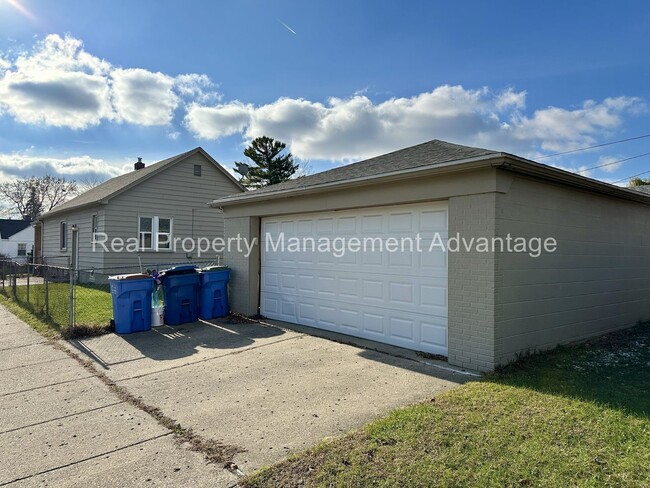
(61, 426)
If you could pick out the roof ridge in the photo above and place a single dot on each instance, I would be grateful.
(130, 178)
(426, 153)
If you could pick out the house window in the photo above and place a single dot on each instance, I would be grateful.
(63, 235)
(197, 170)
(22, 249)
(93, 228)
(164, 234)
(145, 232)
(155, 233)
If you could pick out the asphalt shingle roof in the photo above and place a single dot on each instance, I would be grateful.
(108, 188)
(641, 188)
(426, 154)
(114, 185)
(9, 227)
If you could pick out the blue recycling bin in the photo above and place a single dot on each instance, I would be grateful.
(131, 295)
(181, 291)
(214, 292)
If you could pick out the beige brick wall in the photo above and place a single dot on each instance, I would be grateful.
(471, 284)
(244, 278)
(597, 281)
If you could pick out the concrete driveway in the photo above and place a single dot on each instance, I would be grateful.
(61, 426)
(266, 389)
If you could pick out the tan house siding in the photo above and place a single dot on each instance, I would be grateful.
(174, 192)
(244, 292)
(471, 284)
(52, 251)
(598, 280)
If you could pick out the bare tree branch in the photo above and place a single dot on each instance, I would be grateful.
(29, 197)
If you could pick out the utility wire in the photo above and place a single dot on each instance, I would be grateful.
(593, 147)
(613, 162)
(630, 177)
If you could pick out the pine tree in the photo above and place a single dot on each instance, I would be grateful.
(638, 182)
(271, 165)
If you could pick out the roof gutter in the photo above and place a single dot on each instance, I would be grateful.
(441, 168)
(505, 161)
(55, 211)
(524, 166)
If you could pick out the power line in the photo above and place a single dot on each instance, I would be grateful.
(593, 147)
(630, 177)
(614, 162)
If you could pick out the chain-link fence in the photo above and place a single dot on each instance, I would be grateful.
(41, 288)
(77, 302)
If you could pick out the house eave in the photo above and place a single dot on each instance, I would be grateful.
(440, 168)
(56, 213)
(503, 161)
(524, 166)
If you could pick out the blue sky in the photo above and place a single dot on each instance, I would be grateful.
(86, 87)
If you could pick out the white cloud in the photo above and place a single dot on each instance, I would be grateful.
(609, 164)
(357, 127)
(219, 121)
(58, 83)
(509, 99)
(559, 129)
(24, 163)
(4, 65)
(142, 97)
(196, 87)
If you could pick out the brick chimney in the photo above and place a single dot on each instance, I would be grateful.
(138, 165)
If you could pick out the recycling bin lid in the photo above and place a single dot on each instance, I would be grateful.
(214, 268)
(134, 276)
(178, 270)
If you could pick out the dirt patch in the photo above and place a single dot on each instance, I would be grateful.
(434, 357)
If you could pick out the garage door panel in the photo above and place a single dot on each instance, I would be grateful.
(433, 334)
(433, 221)
(386, 291)
(399, 298)
(400, 328)
(374, 324)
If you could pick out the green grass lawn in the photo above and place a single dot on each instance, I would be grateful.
(93, 309)
(576, 416)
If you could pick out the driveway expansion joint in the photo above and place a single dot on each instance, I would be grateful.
(86, 459)
(212, 450)
(56, 419)
(45, 386)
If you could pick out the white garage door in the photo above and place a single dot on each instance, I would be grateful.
(397, 297)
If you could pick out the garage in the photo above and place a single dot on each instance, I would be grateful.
(392, 294)
(482, 303)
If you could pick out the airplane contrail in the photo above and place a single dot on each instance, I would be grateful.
(288, 28)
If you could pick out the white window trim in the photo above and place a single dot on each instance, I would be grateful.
(155, 220)
(18, 249)
(65, 238)
(95, 219)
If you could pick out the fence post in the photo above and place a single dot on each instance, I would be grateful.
(3, 275)
(47, 298)
(13, 283)
(73, 274)
(28, 273)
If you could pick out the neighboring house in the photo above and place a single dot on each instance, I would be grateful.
(480, 309)
(16, 239)
(155, 205)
